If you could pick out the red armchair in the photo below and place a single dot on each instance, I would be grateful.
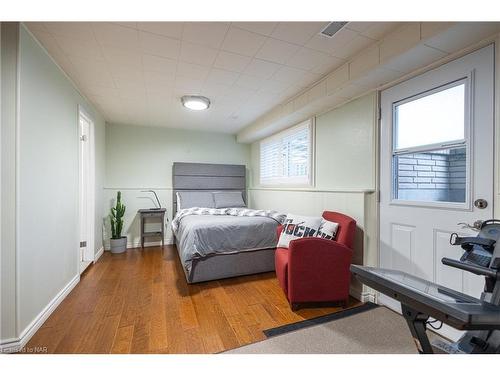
(314, 270)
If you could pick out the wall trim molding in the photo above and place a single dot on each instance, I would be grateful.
(137, 188)
(310, 190)
(362, 296)
(137, 243)
(16, 344)
(98, 254)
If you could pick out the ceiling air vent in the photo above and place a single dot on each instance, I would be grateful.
(332, 28)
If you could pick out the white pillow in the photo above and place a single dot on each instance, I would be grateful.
(327, 229)
(298, 227)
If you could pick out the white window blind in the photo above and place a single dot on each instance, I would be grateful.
(285, 158)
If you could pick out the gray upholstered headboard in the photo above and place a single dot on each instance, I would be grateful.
(207, 177)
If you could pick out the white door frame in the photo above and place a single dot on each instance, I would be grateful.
(86, 257)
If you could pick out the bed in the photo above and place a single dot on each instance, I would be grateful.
(219, 242)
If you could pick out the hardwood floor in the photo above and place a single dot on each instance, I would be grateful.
(139, 302)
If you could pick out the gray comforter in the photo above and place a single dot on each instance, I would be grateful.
(203, 232)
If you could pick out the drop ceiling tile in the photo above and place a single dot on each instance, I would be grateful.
(92, 90)
(128, 78)
(74, 30)
(187, 85)
(35, 27)
(81, 48)
(170, 29)
(297, 32)
(249, 82)
(429, 29)
(329, 67)
(122, 57)
(209, 34)
(263, 28)
(359, 26)
(155, 80)
(137, 93)
(159, 64)
(262, 68)
(356, 45)
(197, 54)
(242, 42)
(163, 94)
(373, 30)
(159, 45)
(277, 51)
(109, 34)
(289, 74)
(132, 25)
(221, 76)
(238, 94)
(309, 59)
(231, 61)
(275, 87)
(193, 70)
(91, 72)
(212, 89)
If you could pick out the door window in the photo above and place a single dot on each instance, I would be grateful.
(430, 146)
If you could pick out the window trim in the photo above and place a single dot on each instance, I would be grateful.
(467, 142)
(292, 182)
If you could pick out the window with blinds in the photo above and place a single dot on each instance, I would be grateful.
(285, 158)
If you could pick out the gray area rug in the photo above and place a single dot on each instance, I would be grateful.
(376, 331)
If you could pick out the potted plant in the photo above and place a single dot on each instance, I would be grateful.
(118, 243)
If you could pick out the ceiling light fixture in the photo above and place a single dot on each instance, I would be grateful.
(195, 102)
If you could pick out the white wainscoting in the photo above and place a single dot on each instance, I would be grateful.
(356, 203)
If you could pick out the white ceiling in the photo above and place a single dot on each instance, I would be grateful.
(135, 73)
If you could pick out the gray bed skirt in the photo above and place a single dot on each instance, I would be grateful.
(222, 266)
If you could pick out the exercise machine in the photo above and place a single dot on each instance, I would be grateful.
(424, 303)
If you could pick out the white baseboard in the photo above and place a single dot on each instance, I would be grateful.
(98, 254)
(362, 296)
(16, 344)
(137, 243)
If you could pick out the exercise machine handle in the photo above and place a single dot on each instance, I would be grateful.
(477, 270)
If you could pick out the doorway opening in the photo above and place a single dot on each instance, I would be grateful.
(86, 250)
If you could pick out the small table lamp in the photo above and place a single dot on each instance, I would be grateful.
(156, 196)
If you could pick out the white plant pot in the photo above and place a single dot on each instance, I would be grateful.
(118, 245)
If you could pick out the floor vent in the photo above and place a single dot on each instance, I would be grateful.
(332, 28)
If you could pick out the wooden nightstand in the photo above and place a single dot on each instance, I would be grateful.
(148, 213)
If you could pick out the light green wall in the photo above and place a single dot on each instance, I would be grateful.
(48, 240)
(344, 147)
(141, 157)
(8, 80)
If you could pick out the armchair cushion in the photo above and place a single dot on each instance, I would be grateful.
(327, 229)
(298, 227)
(318, 270)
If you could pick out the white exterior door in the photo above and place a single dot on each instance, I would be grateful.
(436, 162)
(86, 202)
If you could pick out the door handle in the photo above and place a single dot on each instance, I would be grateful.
(474, 226)
(481, 203)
